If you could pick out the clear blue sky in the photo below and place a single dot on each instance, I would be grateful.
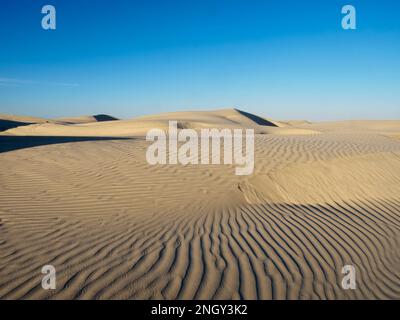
(283, 59)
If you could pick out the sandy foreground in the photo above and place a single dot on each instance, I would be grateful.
(78, 194)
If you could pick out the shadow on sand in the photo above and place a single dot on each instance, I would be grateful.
(10, 143)
(104, 117)
(9, 124)
(260, 121)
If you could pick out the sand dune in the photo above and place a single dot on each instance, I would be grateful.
(8, 122)
(227, 118)
(26, 119)
(352, 126)
(87, 119)
(115, 227)
(12, 121)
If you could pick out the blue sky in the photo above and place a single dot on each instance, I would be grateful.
(282, 59)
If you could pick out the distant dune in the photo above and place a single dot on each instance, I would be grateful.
(87, 119)
(91, 126)
(12, 121)
(26, 119)
(78, 194)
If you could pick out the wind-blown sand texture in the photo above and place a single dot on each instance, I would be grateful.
(322, 195)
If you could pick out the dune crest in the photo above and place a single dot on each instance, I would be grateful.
(219, 119)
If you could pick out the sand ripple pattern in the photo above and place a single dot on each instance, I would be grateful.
(116, 228)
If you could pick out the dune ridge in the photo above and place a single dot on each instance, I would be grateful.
(225, 118)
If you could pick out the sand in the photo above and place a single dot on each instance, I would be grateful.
(86, 127)
(80, 196)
